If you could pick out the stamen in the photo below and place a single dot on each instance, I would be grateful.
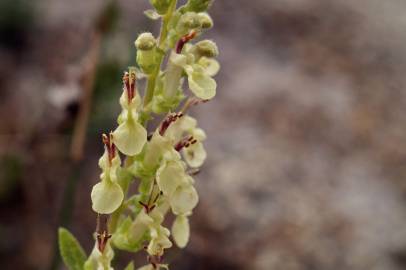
(192, 102)
(151, 204)
(193, 172)
(126, 85)
(168, 121)
(185, 142)
(129, 80)
(110, 147)
(154, 260)
(183, 40)
(102, 234)
(132, 83)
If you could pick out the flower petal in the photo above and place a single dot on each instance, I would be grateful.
(156, 147)
(178, 59)
(130, 137)
(176, 130)
(181, 231)
(199, 134)
(210, 66)
(106, 197)
(169, 176)
(195, 155)
(159, 241)
(184, 199)
(202, 85)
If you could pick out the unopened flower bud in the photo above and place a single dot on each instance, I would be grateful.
(161, 6)
(198, 5)
(205, 20)
(187, 22)
(207, 48)
(146, 53)
(145, 42)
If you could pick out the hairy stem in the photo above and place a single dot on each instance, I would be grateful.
(151, 80)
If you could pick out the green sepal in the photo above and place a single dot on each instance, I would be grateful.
(89, 265)
(122, 241)
(144, 117)
(124, 177)
(133, 203)
(152, 14)
(147, 60)
(162, 104)
(71, 252)
(138, 169)
(198, 5)
(130, 266)
(161, 6)
(145, 185)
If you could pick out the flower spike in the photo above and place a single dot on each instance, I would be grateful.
(163, 159)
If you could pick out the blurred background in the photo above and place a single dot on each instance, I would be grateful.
(306, 136)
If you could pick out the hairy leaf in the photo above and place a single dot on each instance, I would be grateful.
(72, 253)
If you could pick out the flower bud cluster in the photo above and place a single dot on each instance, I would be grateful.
(194, 62)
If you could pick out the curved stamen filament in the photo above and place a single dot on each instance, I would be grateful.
(183, 40)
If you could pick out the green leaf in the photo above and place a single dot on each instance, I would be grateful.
(71, 252)
(152, 14)
(130, 266)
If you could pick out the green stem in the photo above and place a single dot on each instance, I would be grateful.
(151, 80)
(149, 94)
(164, 27)
(115, 216)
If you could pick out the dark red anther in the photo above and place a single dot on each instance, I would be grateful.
(102, 239)
(179, 146)
(144, 205)
(155, 260)
(151, 204)
(110, 147)
(129, 85)
(192, 102)
(168, 121)
(132, 84)
(185, 142)
(183, 40)
(194, 171)
(102, 234)
(126, 85)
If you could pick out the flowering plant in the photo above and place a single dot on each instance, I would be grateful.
(162, 163)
